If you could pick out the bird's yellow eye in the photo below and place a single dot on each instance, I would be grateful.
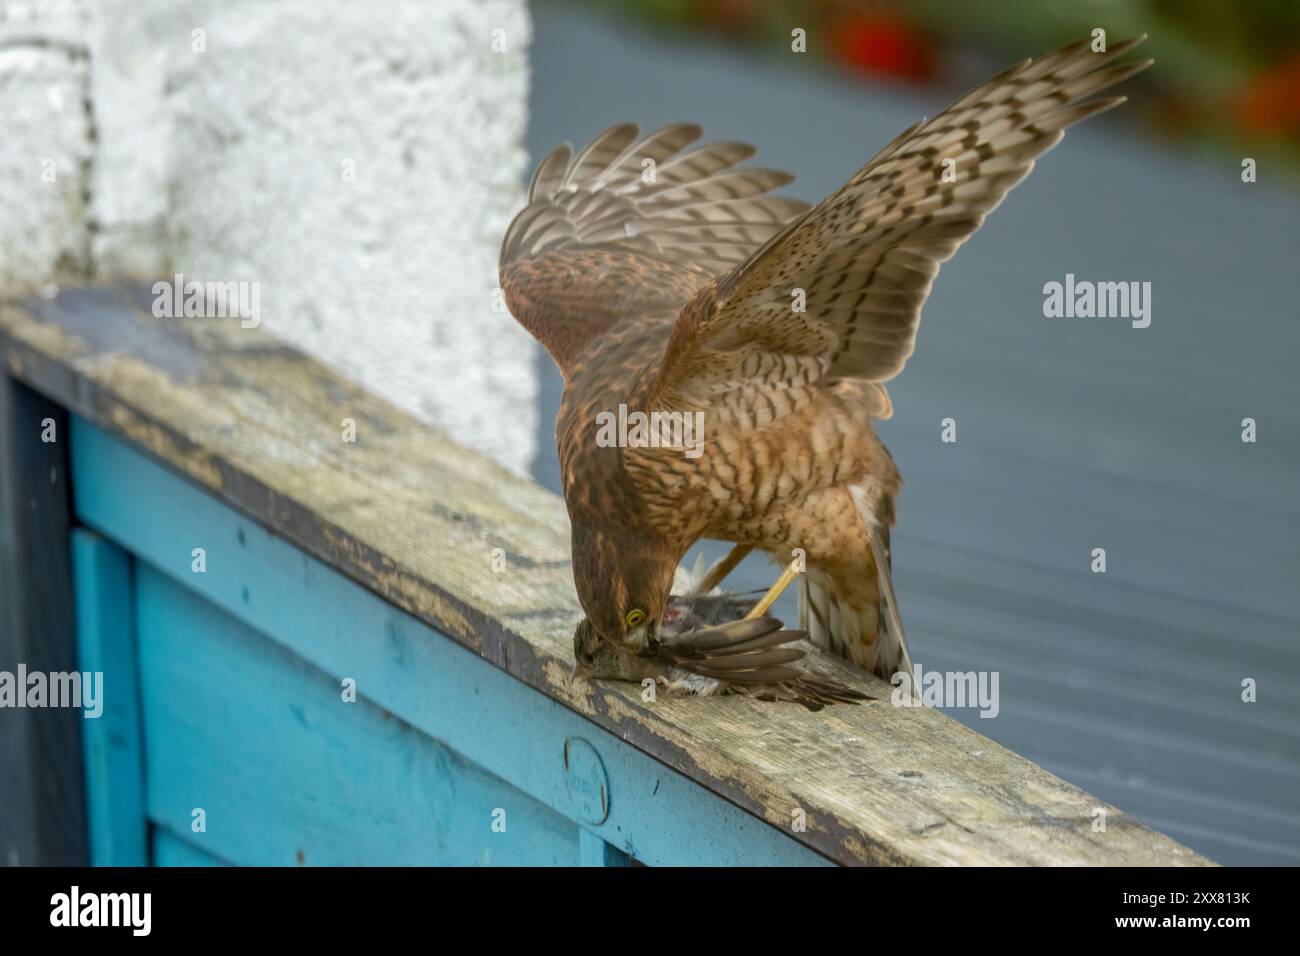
(635, 617)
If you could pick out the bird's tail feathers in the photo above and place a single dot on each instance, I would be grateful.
(869, 635)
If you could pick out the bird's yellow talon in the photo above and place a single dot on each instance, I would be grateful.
(774, 592)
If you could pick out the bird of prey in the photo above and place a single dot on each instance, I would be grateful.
(670, 282)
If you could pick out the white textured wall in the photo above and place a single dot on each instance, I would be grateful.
(45, 147)
(358, 160)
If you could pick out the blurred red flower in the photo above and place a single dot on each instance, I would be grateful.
(885, 44)
(1271, 103)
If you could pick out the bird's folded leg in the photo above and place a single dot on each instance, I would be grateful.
(682, 683)
(774, 592)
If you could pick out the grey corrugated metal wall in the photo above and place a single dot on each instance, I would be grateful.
(1072, 434)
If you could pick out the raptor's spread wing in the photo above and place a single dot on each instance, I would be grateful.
(632, 225)
(865, 257)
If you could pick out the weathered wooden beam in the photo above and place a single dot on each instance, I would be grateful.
(423, 523)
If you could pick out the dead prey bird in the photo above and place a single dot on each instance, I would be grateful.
(666, 281)
(709, 652)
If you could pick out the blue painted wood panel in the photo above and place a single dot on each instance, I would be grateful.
(171, 850)
(114, 770)
(593, 851)
(286, 772)
(337, 628)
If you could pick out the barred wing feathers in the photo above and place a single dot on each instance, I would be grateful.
(867, 255)
(628, 226)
